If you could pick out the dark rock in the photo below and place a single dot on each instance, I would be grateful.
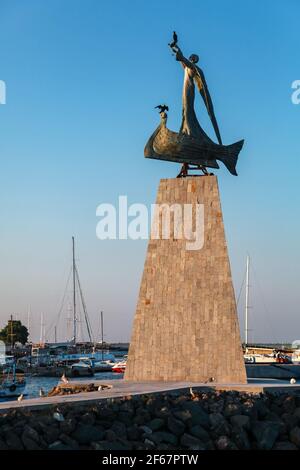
(265, 433)
(85, 434)
(191, 442)
(219, 424)
(146, 429)
(295, 436)
(199, 432)
(175, 426)
(68, 426)
(116, 445)
(58, 445)
(199, 416)
(156, 423)
(297, 413)
(68, 441)
(164, 436)
(133, 433)
(241, 421)
(149, 444)
(50, 433)
(289, 404)
(290, 420)
(31, 433)
(88, 418)
(285, 445)
(119, 429)
(184, 415)
(261, 409)
(3, 446)
(241, 438)
(125, 417)
(162, 412)
(232, 409)
(249, 409)
(110, 435)
(30, 444)
(224, 443)
(13, 441)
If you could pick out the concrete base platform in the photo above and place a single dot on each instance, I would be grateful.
(122, 388)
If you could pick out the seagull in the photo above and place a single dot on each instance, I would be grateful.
(162, 108)
(41, 392)
(64, 379)
(293, 381)
(20, 398)
(175, 39)
(58, 417)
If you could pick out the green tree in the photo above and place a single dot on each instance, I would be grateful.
(14, 332)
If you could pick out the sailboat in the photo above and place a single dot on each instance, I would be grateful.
(11, 386)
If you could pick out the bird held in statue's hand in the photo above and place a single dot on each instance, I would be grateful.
(162, 108)
(175, 39)
(64, 379)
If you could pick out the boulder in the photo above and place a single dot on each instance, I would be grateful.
(85, 434)
(156, 423)
(295, 436)
(224, 443)
(13, 441)
(199, 432)
(191, 442)
(175, 426)
(242, 421)
(285, 445)
(265, 433)
(164, 436)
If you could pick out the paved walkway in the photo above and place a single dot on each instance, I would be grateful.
(122, 388)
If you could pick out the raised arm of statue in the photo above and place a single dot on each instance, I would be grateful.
(185, 62)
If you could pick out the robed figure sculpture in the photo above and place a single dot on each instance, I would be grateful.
(191, 145)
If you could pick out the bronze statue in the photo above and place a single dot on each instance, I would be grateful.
(191, 145)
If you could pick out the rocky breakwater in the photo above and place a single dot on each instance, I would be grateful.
(196, 421)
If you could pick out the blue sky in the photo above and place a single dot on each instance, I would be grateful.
(82, 80)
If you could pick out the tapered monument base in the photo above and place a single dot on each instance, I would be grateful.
(186, 326)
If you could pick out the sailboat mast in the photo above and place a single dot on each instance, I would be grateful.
(102, 333)
(247, 300)
(74, 291)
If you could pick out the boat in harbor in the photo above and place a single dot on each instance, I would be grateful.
(11, 386)
(120, 367)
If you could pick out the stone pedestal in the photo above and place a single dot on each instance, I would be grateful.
(186, 326)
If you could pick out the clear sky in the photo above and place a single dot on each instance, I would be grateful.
(83, 77)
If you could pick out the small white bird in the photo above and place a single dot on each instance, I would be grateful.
(64, 379)
(41, 392)
(20, 398)
(292, 381)
(193, 395)
(58, 417)
(100, 388)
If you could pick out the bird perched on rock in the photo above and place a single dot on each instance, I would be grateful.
(41, 392)
(20, 398)
(58, 417)
(64, 379)
(162, 108)
(175, 40)
(292, 381)
(193, 395)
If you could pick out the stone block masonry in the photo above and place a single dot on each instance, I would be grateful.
(186, 326)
